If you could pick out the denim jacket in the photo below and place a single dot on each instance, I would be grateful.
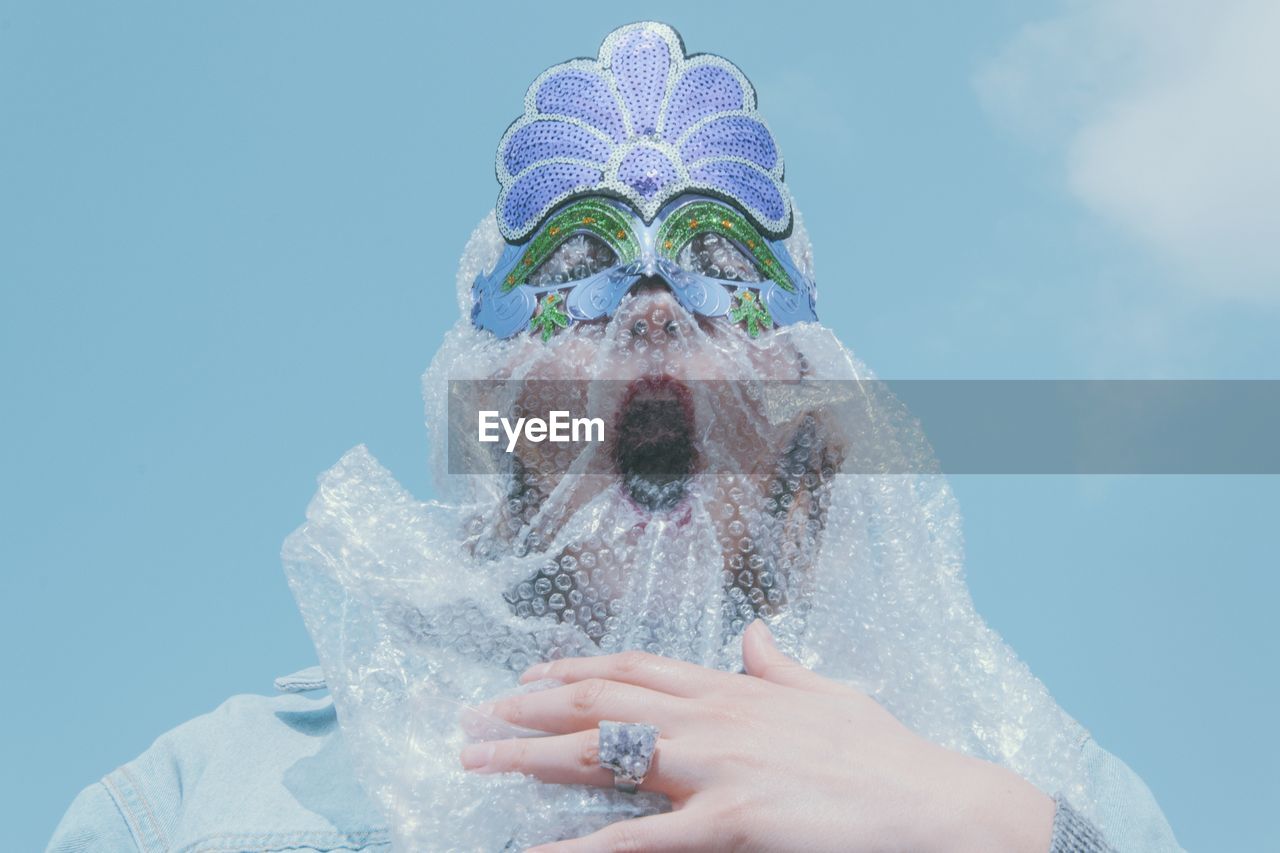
(272, 774)
(259, 773)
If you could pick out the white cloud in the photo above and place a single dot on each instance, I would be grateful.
(1166, 116)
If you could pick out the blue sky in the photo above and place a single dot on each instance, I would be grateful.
(227, 242)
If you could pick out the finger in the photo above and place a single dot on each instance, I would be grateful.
(575, 760)
(677, 677)
(660, 833)
(763, 659)
(583, 704)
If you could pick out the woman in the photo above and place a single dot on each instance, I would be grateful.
(736, 622)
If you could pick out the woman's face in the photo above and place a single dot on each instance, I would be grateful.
(688, 446)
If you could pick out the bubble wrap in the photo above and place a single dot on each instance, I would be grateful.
(421, 611)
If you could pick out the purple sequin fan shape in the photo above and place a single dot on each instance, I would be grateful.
(643, 122)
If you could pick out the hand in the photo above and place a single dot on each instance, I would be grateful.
(777, 759)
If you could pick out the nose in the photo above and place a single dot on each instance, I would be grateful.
(651, 283)
(651, 312)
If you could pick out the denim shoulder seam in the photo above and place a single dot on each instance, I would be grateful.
(161, 835)
(126, 810)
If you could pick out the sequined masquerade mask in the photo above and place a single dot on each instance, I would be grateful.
(644, 162)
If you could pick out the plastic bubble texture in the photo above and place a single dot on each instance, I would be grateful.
(422, 610)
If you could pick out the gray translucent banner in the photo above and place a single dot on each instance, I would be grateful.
(901, 426)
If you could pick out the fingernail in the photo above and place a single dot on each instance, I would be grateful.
(764, 629)
(485, 710)
(476, 756)
(533, 673)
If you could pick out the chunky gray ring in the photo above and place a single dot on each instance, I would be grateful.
(627, 749)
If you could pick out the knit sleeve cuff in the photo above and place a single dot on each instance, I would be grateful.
(1072, 833)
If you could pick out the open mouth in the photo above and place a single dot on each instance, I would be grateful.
(653, 449)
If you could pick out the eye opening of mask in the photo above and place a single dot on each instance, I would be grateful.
(582, 254)
(698, 220)
(591, 216)
(715, 256)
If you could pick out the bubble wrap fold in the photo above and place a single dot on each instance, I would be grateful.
(422, 610)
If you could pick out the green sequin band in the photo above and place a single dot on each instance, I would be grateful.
(700, 216)
(591, 215)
